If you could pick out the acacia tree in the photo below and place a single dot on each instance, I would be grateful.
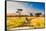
(37, 14)
(19, 11)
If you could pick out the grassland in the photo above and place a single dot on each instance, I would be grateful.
(34, 22)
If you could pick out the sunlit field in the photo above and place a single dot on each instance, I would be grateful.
(34, 22)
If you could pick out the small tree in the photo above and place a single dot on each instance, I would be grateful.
(31, 14)
(37, 14)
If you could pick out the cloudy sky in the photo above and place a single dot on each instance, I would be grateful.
(28, 7)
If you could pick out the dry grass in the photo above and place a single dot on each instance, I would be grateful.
(34, 22)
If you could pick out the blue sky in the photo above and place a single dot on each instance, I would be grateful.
(28, 7)
(35, 5)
